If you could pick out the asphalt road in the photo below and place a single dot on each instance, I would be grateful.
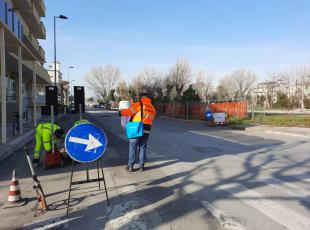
(196, 177)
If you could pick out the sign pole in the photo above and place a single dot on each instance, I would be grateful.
(105, 187)
(86, 143)
(52, 131)
(98, 173)
(87, 172)
(87, 181)
(80, 111)
(68, 203)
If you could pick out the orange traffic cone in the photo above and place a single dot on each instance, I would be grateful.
(15, 198)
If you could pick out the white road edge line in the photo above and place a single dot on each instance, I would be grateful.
(218, 137)
(52, 223)
(286, 134)
(225, 220)
(279, 213)
(289, 188)
(284, 186)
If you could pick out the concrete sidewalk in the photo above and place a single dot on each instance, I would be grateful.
(288, 131)
(15, 218)
(16, 142)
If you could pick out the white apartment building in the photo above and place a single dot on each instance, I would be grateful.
(22, 76)
(63, 86)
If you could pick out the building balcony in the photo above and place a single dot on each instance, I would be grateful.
(31, 17)
(41, 33)
(39, 4)
(33, 45)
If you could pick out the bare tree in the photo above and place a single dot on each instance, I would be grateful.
(150, 80)
(297, 81)
(167, 87)
(180, 76)
(122, 91)
(244, 79)
(101, 80)
(203, 85)
(227, 88)
(300, 78)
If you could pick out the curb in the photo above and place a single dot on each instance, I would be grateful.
(269, 131)
(17, 143)
(236, 127)
(286, 133)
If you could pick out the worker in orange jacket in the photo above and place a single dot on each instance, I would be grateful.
(148, 117)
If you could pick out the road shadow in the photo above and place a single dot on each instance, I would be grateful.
(164, 200)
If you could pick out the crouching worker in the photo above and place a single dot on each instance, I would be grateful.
(83, 121)
(43, 136)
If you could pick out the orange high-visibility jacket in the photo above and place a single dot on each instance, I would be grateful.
(149, 113)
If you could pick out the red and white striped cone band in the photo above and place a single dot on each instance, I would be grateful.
(14, 193)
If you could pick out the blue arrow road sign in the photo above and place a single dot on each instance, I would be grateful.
(209, 115)
(85, 143)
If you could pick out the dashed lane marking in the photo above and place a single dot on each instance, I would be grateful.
(222, 138)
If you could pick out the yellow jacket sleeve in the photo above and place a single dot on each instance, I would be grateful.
(47, 139)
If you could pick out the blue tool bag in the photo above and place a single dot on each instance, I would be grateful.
(135, 129)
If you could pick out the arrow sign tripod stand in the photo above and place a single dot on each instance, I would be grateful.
(98, 161)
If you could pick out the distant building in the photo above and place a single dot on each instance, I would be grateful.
(63, 86)
(272, 89)
(22, 73)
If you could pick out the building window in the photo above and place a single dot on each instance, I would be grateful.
(2, 10)
(6, 12)
(11, 89)
(9, 18)
(7, 85)
(13, 21)
(18, 29)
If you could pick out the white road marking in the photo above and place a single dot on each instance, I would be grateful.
(222, 138)
(124, 216)
(287, 187)
(286, 134)
(284, 186)
(279, 213)
(52, 223)
(153, 155)
(225, 220)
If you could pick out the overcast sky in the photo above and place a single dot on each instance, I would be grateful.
(218, 36)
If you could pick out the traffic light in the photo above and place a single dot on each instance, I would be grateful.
(51, 98)
(79, 98)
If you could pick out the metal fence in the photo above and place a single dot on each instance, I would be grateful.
(284, 106)
(197, 110)
(237, 109)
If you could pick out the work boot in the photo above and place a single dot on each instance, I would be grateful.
(129, 168)
(35, 163)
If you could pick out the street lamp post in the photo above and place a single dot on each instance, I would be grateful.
(69, 67)
(61, 17)
(72, 88)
